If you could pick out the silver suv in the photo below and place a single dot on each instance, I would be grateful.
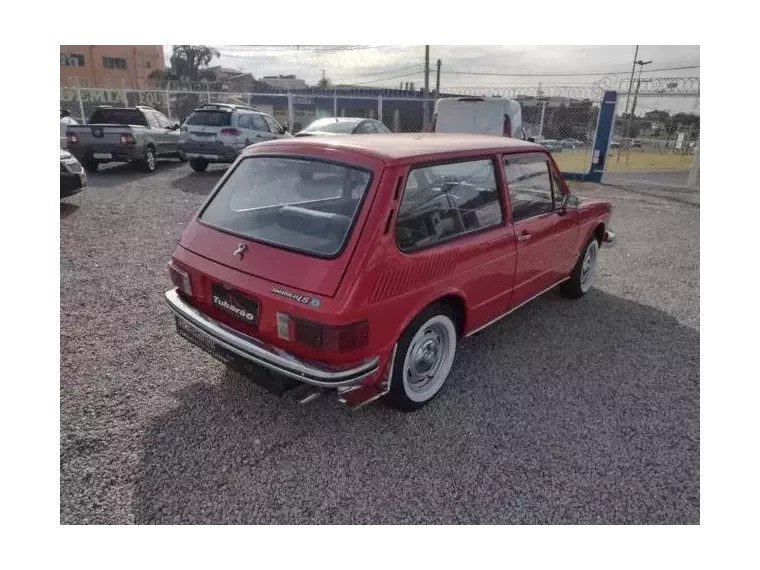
(217, 132)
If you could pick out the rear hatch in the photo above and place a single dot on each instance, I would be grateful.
(204, 125)
(293, 221)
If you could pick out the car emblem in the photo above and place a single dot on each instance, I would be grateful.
(241, 249)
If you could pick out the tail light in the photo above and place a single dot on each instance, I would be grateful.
(327, 338)
(127, 138)
(180, 279)
(233, 132)
(507, 132)
(72, 138)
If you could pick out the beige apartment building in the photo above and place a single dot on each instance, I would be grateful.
(110, 66)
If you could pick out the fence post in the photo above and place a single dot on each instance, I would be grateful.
(168, 100)
(541, 125)
(380, 108)
(396, 121)
(79, 98)
(335, 102)
(124, 92)
(691, 182)
(291, 112)
(208, 92)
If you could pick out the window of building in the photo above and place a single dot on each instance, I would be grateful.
(446, 200)
(114, 63)
(72, 60)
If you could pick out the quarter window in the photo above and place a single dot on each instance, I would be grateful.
(530, 187)
(444, 201)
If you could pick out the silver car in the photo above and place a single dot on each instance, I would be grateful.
(216, 133)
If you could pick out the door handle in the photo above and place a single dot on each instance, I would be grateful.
(524, 236)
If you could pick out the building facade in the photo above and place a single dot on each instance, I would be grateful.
(128, 66)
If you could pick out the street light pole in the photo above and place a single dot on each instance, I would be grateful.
(641, 65)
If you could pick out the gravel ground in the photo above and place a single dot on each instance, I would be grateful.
(565, 412)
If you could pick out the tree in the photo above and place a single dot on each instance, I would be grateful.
(324, 82)
(187, 64)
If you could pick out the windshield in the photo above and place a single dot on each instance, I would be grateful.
(331, 126)
(302, 204)
(118, 116)
(210, 118)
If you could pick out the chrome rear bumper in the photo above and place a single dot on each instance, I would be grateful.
(212, 334)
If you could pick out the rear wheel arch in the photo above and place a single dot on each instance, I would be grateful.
(599, 233)
(454, 300)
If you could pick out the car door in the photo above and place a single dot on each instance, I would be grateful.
(545, 230)
(245, 125)
(262, 131)
(169, 135)
(155, 131)
(274, 127)
(452, 217)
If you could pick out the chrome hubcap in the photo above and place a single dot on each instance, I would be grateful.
(151, 160)
(429, 358)
(589, 263)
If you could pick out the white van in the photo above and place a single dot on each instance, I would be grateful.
(479, 115)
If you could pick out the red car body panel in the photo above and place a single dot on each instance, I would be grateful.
(486, 274)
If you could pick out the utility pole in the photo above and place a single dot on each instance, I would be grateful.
(438, 78)
(638, 85)
(630, 87)
(426, 92)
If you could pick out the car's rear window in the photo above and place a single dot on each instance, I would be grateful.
(210, 119)
(302, 204)
(117, 116)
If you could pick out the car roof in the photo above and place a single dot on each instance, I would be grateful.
(399, 146)
(326, 120)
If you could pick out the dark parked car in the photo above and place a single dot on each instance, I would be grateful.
(343, 126)
(124, 134)
(73, 177)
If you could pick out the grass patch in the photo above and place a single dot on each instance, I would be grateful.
(579, 160)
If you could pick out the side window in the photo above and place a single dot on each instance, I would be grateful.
(446, 200)
(244, 122)
(530, 187)
(381, 128)
(259, 124)
(273, 125)
(558, 189)
(365, 128)
(152, 119)
(163, 122)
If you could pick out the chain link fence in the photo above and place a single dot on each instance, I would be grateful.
(659, 133)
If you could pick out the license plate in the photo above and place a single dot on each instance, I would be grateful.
(101, 155)
(265, 378)
(235, 304)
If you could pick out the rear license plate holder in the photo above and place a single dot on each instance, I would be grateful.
(236, 304)
(270, 381)
(102, 155)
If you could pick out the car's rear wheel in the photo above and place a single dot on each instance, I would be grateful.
(149, 161)
(90, 165)
(583, 273)
(424, 358)
(199, 164)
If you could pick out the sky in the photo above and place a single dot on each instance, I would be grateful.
(468, 66)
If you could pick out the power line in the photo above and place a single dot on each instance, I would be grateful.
(562, 74)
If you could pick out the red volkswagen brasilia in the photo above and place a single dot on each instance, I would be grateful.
(357, 263)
